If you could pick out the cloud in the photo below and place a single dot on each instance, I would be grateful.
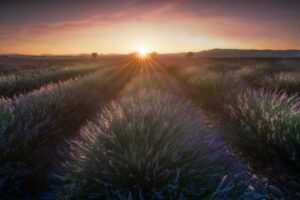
(120, 16)
(233, 23)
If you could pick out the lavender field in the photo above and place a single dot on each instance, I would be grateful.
(156, 127)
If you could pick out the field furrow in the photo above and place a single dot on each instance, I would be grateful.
(153, 144)
(36, 127)
(21, 83)
(261, 125)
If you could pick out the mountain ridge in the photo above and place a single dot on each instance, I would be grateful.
(237, 53)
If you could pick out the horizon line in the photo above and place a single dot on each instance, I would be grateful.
(178, 52)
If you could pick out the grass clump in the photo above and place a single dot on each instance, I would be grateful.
(267, 124)
(288, 82)
(34, 128)
(211, 90)
(18, 83)
(214, 90)
(147, 146)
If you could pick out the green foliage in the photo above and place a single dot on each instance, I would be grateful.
(250, 75)
(267, 124)
(18, 83)
(222, 67)
(214, 90)
(260, 74)
(145, 81)
(147, 146)
(287, 82)
(150, 144)
(36, 127)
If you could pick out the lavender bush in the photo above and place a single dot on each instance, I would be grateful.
(214, 90)
(17, 83)
(148, 146)
(34, 128)
(267, 124)
(286, 82)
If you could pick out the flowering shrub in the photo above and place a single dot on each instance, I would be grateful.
(34, 128)
(17, 83)
(148, 146)
(267, 124)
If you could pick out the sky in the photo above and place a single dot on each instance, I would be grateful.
(125, 26)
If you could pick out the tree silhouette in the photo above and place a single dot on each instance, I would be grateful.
(153, 55)
(94, 55)
(189, 55)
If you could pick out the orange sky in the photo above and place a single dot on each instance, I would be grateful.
(162, 26)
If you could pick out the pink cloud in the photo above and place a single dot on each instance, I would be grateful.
(207, 22)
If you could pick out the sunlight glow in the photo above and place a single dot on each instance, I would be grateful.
(143, 52)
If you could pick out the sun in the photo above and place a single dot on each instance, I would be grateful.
(143, 52)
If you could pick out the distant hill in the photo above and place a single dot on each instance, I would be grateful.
(212, 53)
(238, 53)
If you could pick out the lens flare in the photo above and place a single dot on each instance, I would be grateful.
(143, 52)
